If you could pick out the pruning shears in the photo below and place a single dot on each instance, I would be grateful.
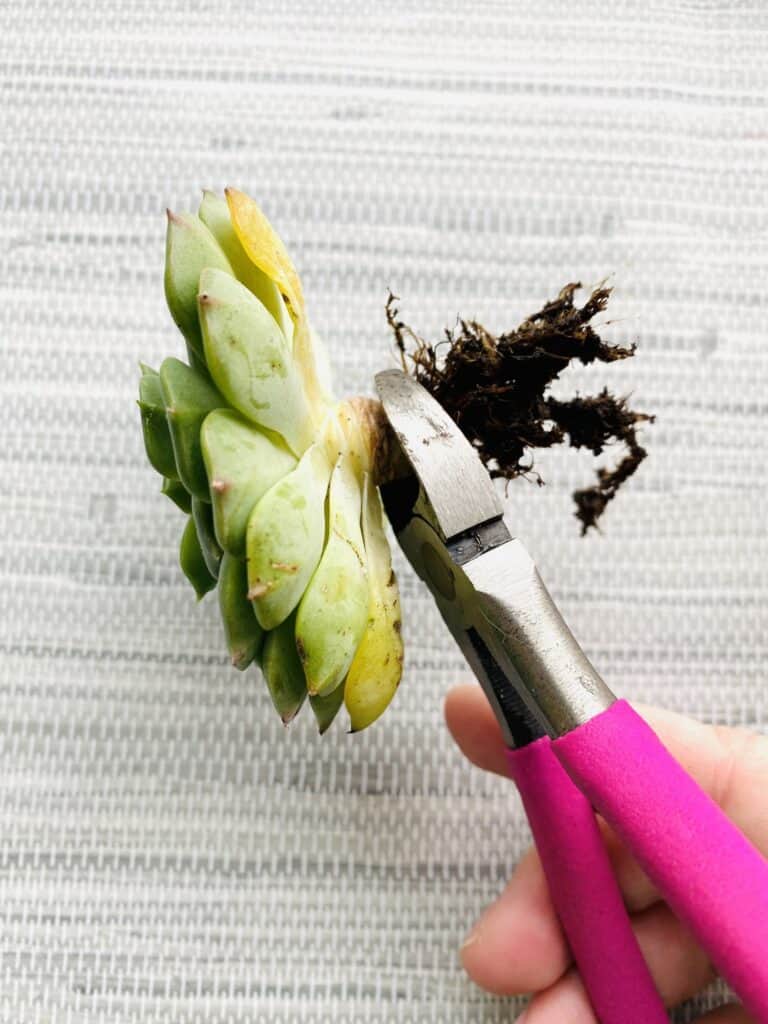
(573, 748)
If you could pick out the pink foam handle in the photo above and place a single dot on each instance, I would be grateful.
(584, 890)
(709, 873)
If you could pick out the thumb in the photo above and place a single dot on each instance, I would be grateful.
(731, 765)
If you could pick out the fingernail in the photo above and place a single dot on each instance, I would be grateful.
(470, 940)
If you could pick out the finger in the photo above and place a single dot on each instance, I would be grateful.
(732, 1014)
(566, 1000)
(715, 756)
(473, 725)
(518, 946)
(729, 764)
(678, 967)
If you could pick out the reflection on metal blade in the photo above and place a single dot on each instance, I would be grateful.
(454, 479)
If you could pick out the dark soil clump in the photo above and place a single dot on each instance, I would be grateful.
(496, 389)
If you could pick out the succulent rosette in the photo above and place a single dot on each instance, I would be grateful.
(276, 479)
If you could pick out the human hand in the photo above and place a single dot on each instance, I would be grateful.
(518, 947)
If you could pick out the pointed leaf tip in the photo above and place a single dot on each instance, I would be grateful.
(283, 672)
(189, 248)
(249, 359)
(333, 612)
(243, 634)
(375, 672)
(244, 463)
(264, 247)
(286, 535)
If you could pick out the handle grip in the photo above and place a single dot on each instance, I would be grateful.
(709, 873)
(584, 890)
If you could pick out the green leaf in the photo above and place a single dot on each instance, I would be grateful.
(242, 463)
(192, 561)
(188, 398)
(189, 249)
(250, 361)
(214, 213)
(243, 633)
(333, 613)
(286, 533)
(202, 515)
(157, 437)
(282, 670)
(177, 492)
(326, 708)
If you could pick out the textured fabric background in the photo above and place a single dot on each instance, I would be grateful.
(168, 852)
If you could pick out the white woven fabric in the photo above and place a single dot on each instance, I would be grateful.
(168, 852)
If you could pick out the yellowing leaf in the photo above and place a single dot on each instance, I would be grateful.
(377, 666)
(265, 248)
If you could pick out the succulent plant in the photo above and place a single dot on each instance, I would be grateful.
(277, 481)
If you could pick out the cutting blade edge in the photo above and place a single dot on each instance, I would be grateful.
(457, 484)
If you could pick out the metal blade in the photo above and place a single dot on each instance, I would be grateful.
(454, 479)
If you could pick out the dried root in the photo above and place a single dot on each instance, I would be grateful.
(496, 387)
